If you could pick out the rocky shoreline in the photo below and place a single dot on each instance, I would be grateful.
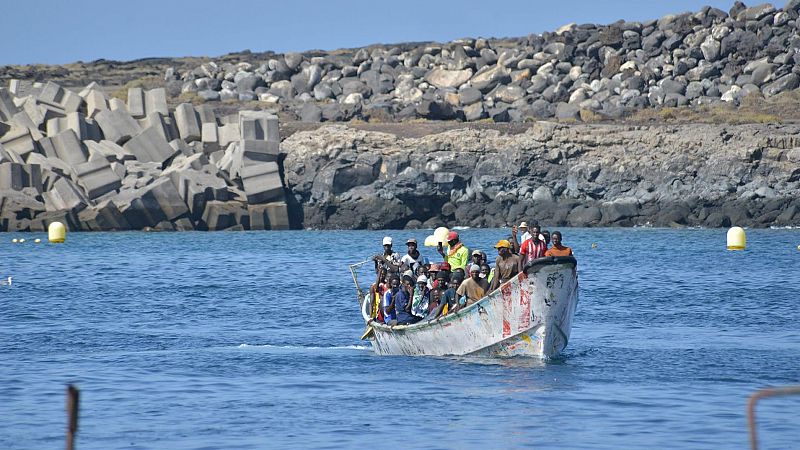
(561, 175)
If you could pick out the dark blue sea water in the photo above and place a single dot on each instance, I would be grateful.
(250, 341)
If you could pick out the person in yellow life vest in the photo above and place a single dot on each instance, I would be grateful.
(457, 253)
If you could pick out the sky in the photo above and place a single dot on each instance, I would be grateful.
(64, 31)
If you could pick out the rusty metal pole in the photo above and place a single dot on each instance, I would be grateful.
(751, 407)
(73, 396)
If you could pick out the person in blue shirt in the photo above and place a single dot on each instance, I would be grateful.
(402, 302)
(389, 312)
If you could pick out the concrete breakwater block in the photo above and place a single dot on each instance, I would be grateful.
(188, 122)
(262, 183)
(65, 195)
(110, 164)
(223, 215)
(150, 146)
(269, 216)
(97, 177)
(104, 216)
(117, 125)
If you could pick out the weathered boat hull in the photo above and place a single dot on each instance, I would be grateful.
(531, 315)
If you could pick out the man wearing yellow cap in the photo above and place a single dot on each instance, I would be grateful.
(506, 266)
(457, 253)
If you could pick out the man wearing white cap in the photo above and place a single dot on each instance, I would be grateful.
(390, 257)
(523, 228)
(421, 298)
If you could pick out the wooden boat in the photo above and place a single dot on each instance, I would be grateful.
(530, 315)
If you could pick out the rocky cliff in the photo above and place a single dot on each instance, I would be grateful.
(576, 175)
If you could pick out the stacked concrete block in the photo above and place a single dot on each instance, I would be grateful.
(16, 177)
(11, 176)
(136, 103)
(188, 122)
(96, 101)
(196, 187)
(156, 102)
(20, 88)
(35, 112)
(117, 125)
(64, 195)
(262, 182)
(150, 146)
(42, 221)
(68, 148)
(228, 133)
(206, 114)
(269, 216)
(210, 136)
(18, 140)
(255, 152)
(225, 215)
(53, 165)
(97, 177)
(163, 124)
(116, 104)
(108, 150)
(56, 98)
(259, 126)
(7, 106)
(104, 216)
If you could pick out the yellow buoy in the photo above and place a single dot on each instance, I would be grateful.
(736, 238)
(56, 233)
(37, 240)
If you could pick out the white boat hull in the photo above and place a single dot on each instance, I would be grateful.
(531, 315)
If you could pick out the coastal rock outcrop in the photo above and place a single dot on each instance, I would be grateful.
(578, 175)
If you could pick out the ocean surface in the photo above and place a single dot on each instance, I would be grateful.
(250, 340)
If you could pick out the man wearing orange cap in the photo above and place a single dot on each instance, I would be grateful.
(505, 266)
(457, 253)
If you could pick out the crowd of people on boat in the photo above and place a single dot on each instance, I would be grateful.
(411, 288)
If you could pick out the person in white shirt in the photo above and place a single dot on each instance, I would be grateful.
(413, 259)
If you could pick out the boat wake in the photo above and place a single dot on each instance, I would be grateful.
(305, 347)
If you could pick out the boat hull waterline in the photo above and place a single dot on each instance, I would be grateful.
(530, 315)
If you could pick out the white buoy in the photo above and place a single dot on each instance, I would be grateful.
(22, 240)
(37, 240)
(736, 239)
(14, 241)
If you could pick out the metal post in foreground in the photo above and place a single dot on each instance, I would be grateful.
(72, 415)
(751, 407)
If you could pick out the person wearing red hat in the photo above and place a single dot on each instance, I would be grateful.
(457, 253)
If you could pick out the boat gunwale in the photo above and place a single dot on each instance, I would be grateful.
(422, 324)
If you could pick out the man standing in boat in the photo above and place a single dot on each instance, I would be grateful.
(533, 248)
(457, 253)
(413, 259)
(506, 265)
(390, 258)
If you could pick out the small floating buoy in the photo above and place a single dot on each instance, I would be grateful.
(798, 247)
(14, 241)
(56, 233)
(736, 238)
(594, 245)
(37, 240)
(22, 240)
